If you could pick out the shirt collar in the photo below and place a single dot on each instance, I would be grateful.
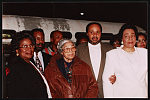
(91, 45)
(39, 53)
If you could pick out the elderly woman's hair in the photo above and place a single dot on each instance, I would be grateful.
(61, 44)
(15, 43)
(127, 26)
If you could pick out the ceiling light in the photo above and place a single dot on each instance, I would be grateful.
(81, 13)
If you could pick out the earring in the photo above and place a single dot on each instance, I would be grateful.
(122, 42)
(17, 54)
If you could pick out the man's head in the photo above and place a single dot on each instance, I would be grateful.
(94, 31)
(55, 37)
(38, 34)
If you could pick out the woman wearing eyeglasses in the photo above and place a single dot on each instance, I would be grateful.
(68, 76)
(24, 80)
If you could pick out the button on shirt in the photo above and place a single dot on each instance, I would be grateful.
(40, 58)
(95, 56)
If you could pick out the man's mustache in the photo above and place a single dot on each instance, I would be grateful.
(94, 37)
(39, 44)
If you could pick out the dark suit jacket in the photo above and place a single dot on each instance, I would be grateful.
(46, 59)
(24, 81)
(83, 53)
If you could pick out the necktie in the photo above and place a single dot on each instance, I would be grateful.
(38, 64)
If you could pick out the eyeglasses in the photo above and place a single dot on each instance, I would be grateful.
(27, 46)
(69, 49)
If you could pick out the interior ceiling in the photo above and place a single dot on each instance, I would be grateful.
(125, 12)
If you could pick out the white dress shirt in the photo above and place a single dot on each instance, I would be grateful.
(40, 58)
(95, 56)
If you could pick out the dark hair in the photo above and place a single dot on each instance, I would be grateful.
(79, 36)
(140, 33)
(87, 27)
(53, 32)
(127, 26)
(37, 30)
(15, 43)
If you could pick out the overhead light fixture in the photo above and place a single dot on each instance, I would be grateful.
(81, 13)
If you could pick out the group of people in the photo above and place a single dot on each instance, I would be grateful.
(90, 70)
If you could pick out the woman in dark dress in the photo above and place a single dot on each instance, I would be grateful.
(24, 80)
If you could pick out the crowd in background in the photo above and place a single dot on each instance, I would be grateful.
(87, 68)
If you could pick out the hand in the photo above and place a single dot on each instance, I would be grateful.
(112, 79)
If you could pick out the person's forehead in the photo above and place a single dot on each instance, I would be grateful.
(128, 31)
(141, 36)
(57, 33)
(38, 33)
(94, 25)
(25, 41)
(83, 39)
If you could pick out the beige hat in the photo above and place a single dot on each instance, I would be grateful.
(61, 43)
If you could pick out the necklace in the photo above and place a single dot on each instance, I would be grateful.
(69, 73)
(129, 50)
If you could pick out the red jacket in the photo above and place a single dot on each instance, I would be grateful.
(83, 84)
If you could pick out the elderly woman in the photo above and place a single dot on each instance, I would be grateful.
(129, 64)
(24, 79)
(68, 76)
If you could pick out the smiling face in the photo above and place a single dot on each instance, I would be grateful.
(26, 49)
(68, 51)
(94, 34)
(129, 38)
(141, 41)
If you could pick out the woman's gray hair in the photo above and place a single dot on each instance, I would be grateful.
(61, 44)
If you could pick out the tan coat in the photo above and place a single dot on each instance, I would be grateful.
(83, 54)
(83, 84)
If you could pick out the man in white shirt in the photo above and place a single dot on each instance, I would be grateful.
(94, 53)
(44, 58)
